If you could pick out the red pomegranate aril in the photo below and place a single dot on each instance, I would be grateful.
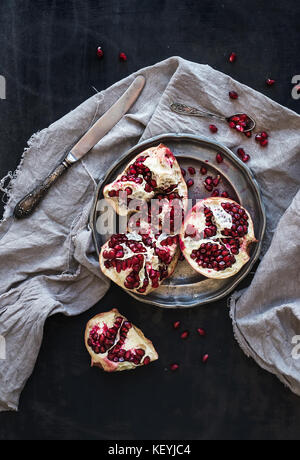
(185, 335)
(264, 142)
(233, 95)
(146, 360)
(183, 172)
(246, 158)
(176, 324)
(123, 57)
(100, 52)
(201, 332)
(208, 187)
(239, 128)
(213, 128)
(232, 57)
(205, 358)
(128, 190)
(264, 135)
(174, 367)
(203, 170)
(219, 158)
(232, 124)
(191, 170)
(241, 152)
(216, 180)
(224, 194)
(190, 183)
(215, 192)
(248, 133)
(112, 193)
(270, 81)
(258, 137)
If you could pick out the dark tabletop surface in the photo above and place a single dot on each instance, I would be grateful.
(48, 59)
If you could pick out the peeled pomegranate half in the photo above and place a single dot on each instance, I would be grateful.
(153, 172)
(216, 236)
(115, 344)
(140, 262)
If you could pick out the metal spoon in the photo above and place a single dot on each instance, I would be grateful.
(183, 109)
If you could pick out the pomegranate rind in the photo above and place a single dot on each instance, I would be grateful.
(135, 339)
(151, 260)
(196, 218)
(165, 171)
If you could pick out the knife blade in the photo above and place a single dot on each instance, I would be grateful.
(29, 203)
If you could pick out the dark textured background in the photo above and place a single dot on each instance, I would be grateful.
(48, 57)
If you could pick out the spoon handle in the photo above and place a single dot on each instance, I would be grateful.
(183, 109)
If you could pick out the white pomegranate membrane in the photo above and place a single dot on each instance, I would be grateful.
(216, 236)
(114, 343)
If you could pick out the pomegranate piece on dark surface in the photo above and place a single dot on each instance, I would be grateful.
(232, 57)
(190, 183)
(115, 344)
(270, 81)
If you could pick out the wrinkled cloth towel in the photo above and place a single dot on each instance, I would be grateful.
(48, 263)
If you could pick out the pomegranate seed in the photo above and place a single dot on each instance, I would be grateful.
(185, 335)
(205, 359)
(232, 57)
(219, 158)
(176, 325)
(246, 158)
(213, 128)
(174, 367)
(233, 95)
(264, 142)
(190, 183)
(264, 135)
(191, 170)
(232, 124)
(270, 82)
(224, 194)
(241, 152)
(123, 57)
(100, 52)
(258, 137)
(201, 332)
(203, 170)
(215, 192)
(183, 172)
(248, 134)
(112, 193)
(146, 361)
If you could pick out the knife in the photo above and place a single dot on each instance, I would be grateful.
(28, 204)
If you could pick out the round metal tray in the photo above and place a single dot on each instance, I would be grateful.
(186, 288)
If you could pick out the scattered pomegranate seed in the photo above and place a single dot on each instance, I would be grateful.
(233, 95)
(176, 325)
(203, 170)
(205, 359)
(183, 172)
(201, 332)
(219, 158)
(241, 152)
(248, 134)
(190, 183)
(191, 170)
(174, 367)
(246, 158)
(213, 128)
(216, 180)
(224, 195)
(100, 52)
(264, 142)
(232, 57)
(146, 361)
(264, 135)
(270, 82)
(215, 192)
(123, 57)
(185, 335)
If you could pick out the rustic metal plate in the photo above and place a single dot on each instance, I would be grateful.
(186, 288)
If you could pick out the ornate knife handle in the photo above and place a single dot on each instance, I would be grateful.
(183, 109)
(27, 205)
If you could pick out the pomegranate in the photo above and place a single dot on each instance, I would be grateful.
(123, 57)
(232, 57)
(215, 237)
(213, 128)
(115, 344)
(233, 95)
(140, 262)
(155, 173)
